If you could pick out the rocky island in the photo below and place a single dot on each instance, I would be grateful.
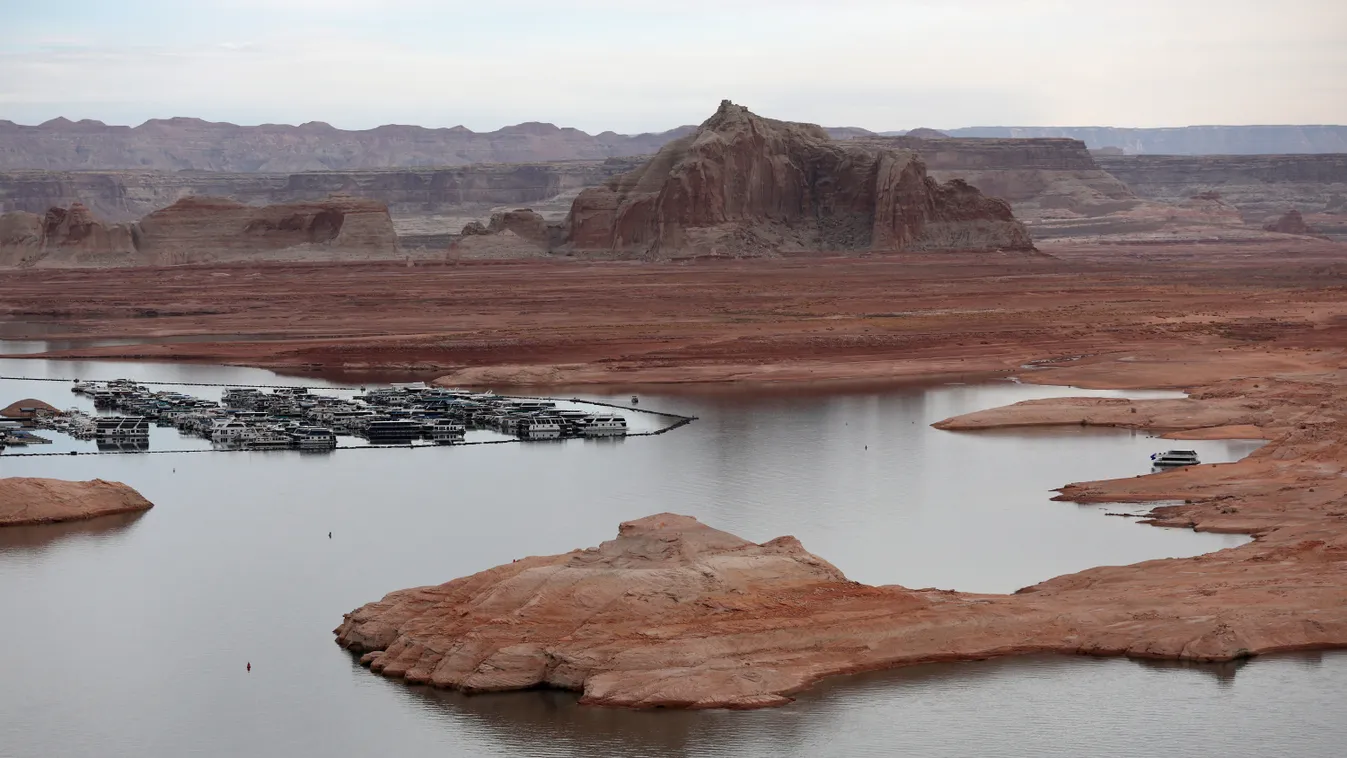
(25, 500)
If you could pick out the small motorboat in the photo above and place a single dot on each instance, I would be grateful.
(1172, 458)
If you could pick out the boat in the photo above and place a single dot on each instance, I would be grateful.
(540, 429)
(230, 432)
(1175, 458)
(269, 439)
(241, 397)
(313, 438)
(400, 431)
(602, 425)
(121, 427)
(444, 431)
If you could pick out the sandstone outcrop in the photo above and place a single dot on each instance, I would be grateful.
(191, 144)
(1183, 140)
(1291, 222)
(197, 229)
(127, 195)
(744, 185)
(206, 226)
(1261, 187)
(69, 235)
(41, 501)
(673, 613)
(26, 409)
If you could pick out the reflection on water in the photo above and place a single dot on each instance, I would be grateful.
(39, 536)
(1033, 706)
(135, 637)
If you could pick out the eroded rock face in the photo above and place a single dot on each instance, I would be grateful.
(196, 229)
(1291, 222)
(26, 500)
(71, 235)
(743, 185)
(205, 225)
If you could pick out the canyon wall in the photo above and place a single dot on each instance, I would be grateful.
(200, 229)
(746, 185)
(1183, 140)
(1038, 177)
(190, 144)
(1261, 187)
(128, 195)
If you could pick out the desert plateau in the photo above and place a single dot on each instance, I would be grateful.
(568, 381)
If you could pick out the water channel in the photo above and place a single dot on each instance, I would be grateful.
(130, 634)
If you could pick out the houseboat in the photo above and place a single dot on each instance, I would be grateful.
(599, 425)
(1174, 458)
(121, 427)
(445, 431)
(313, 438)
(231, 431)
(392, 431)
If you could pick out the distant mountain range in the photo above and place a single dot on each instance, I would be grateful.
(1185, 140)
(189, 144)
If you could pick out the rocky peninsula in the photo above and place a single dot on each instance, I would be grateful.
(25, 500)
(673, 613)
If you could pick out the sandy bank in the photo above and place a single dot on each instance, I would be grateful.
(26, 500)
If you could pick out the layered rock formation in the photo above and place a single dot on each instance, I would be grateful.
(1291, 222)
(68, 234)
(742, 184)
(1262, 187)
(1183, 140)
(42, 501)
(200, 226)
(197, 229)
(190, 144)
(1044, 180)
(128, 195)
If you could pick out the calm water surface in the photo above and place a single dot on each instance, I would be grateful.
(129, 635)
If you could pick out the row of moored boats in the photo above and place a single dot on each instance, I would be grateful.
(297, 418)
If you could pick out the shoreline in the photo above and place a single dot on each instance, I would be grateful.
(1281, 592)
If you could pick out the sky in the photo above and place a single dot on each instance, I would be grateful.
(633, 66)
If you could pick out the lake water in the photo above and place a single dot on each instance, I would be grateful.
(130, 635)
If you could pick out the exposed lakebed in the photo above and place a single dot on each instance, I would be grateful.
(140, 627)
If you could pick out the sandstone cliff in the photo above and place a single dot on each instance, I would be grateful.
(1043, 179)
(1183, 140)
(128, 195)
(40, 501)
(190, 144)
(1262, 187)
(204, 227)
(198, 229)
(744, 185)
(71, 236)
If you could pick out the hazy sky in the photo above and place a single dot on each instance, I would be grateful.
(633, 66)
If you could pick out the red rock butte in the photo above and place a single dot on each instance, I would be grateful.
(745, 185)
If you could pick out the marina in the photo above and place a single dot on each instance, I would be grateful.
(318, 420)
(860, 478)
